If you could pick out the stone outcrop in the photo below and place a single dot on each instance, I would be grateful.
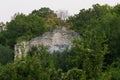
(56, 40)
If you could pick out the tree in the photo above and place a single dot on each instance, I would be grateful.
(43, 12)
(6, 55)
(93, 57)
(22, 27)
(80, 22)
(74, 74)
(51, 19)
(32, 67)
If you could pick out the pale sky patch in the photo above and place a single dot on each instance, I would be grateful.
(9, 7)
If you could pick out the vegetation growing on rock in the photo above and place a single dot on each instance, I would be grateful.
(95, 57)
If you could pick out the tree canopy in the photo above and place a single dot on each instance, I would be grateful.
(96, 56)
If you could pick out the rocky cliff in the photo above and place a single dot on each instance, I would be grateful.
(56, 40)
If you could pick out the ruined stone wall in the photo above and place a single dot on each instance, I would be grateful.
(57, 40)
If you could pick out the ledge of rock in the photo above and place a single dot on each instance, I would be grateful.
(56, 40)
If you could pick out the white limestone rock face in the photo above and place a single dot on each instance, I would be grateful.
(57, 40)
(21, 49)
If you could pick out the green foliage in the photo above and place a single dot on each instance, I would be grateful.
(33, 67)
(60, 60)
(25, 69)
(26, 27)
(56, 74)
(6, 55)
(114, 70)
(74, 74)
(51, 19)
(99, 26)
(43, 12)
(96, 56)
(23, 27)
(81, 21)
(116, 9)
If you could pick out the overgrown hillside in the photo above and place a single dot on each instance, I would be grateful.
(96, 56)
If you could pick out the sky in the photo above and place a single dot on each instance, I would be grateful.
(9, 7)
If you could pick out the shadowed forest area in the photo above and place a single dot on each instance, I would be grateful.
(96, 56)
